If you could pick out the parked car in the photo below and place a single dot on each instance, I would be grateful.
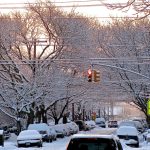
(74, 127)
(82, 125)
(43, 129)
(94, 142)
(146, 133)
(100, 122)
(6, 132)
(128, 123)
(59, 130)
(91, 124)
(53, 133)
(29, 138)
(67, 129)
(143, 122)
(139, 126)
(129, 135)
(112, 124)
(135, 124)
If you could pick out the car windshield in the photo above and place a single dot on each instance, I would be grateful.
(91, 144)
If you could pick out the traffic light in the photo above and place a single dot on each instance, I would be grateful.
(89, 75)
(96, 75)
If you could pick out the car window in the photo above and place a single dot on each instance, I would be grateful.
(91, 144)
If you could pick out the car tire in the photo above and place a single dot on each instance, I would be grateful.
(40, 144)
(137, 145)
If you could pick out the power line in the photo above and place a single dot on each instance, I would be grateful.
(72, 5)
(62, 2)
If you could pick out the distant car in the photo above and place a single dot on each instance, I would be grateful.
(53, 133)
(6, 132)
(74, 127)
(91, 124)
(94, 142)
(143, 122)
(59, 130)
(148, 138)
(129, 135)
(112, 124)
(146, 133)
(139, 126)
(29, 138)
(82, 125)
(43, 129)
(100, 122)
(128, 123)
(135, 124)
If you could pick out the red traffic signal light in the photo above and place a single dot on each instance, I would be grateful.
(89, 75)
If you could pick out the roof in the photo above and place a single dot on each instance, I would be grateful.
(127, 130)
(94, 136)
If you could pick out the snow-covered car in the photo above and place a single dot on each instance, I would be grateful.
(70, 128)
(53, 133)
(74, 127)
(100, 122)
(146, 133)
(148, 138)
(59, 130)
(129, 135)
(139, 126)
(94, 142)
(82, 126)
(67, 129)
(43, 129)
(127, 123)
(91, 124)
(29, 138)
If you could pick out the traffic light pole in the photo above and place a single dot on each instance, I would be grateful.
(115, 67)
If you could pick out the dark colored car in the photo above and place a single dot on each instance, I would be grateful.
(82, 126)
(94, 142)
(6, 132)
(112, 124)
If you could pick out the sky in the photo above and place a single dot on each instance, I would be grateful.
(92, 10)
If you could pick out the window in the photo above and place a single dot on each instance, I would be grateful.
(91, 144)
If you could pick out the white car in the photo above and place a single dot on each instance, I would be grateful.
(91, 124)
(100, 122)
(29, 138)
(129, 135)
(94, 142)
(74, 127)
(59, 130)
(43, 129)
(53, 133)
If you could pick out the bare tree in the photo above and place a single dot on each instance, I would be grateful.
(127, 47)
(141, 7)
(33, 65)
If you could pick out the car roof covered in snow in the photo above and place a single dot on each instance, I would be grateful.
(94, 136)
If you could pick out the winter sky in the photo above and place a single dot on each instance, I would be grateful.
(91, 8)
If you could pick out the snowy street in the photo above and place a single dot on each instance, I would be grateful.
(61, 144)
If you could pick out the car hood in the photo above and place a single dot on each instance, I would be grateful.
(130, 141)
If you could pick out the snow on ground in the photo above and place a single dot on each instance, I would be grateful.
(60, 144)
